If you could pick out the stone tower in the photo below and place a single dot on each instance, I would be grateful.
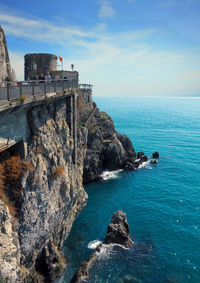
(37, 63)
(6, 72)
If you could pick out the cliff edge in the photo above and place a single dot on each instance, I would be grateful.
(106, 148)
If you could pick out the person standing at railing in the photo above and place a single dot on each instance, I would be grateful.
(47, 81)
(48, 78)
(41, 78)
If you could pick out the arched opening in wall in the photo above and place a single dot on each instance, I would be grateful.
(16, 149)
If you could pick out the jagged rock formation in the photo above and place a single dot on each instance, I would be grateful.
(9, 248)
(52, 197)
(117, 233)
(106, 149)
(118, 230)
(6, 72)
(53, 192)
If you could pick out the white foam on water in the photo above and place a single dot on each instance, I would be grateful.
(145, 165)
(93, 244)
(106, 175)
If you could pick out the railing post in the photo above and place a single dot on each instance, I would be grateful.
(63, 85)
(8, 92)
(20, 90)
(33, 92)
(45, 89)
(54, 84)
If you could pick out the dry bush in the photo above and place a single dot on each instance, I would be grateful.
(35, 138)
(11, 173)
(58, 172)
(59, 149)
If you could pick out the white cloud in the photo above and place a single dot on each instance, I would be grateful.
(106, 10)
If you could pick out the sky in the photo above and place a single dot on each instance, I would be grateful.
(122, 47)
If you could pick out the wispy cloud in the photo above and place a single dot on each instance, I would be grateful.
(115, 59)
(188, 4)
(166, 4)
(106, 10)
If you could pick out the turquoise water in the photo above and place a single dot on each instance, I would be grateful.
(162, 202)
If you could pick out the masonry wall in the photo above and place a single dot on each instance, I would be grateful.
(37, 63)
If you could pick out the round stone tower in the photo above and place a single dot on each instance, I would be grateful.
(37, 63)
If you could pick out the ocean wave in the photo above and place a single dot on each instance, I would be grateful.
(145, 165)
(106, 175)
(93, 244)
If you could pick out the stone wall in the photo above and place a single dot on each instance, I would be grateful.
(37, 63)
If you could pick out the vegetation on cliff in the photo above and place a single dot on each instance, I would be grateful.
(11, 173)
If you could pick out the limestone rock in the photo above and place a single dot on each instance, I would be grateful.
(6, 72)
(53, 193)
(118, 230)
(9, 248)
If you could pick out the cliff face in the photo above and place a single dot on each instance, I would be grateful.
(6, 73)
(106, 148)
(53, 191)
(10, 250)
(52, 197)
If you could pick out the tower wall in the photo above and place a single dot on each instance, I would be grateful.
(37, 63)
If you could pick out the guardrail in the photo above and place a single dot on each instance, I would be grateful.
(15, 90)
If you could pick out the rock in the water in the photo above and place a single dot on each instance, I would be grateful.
(118, 230)
(142, 157)
(117, 233)
(82, 272)
(155, 155)
(154, 162)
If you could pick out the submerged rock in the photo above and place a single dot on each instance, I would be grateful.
(118, 230)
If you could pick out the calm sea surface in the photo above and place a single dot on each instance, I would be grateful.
(162, 202)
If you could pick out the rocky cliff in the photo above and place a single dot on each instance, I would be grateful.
(51, 198)
(6, 73)
(106, 148)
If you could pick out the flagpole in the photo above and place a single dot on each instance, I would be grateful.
(62, 69)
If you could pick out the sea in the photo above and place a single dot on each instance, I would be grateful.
(162, 202)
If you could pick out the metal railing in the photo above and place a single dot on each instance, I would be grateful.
(14, 90)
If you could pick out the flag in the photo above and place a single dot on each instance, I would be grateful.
(60, 58)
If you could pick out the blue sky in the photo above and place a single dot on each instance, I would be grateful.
(123, 47)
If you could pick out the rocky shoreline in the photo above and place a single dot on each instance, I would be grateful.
(53, 193)
(107, 149)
